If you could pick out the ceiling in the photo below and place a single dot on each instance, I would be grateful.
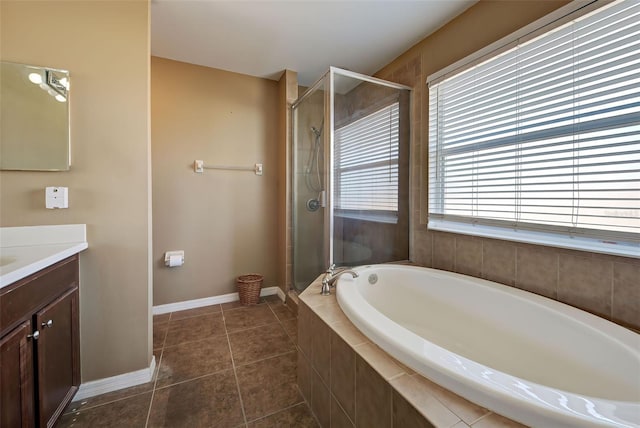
(262, 38)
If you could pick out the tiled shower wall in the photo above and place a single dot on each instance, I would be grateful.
(608, 286)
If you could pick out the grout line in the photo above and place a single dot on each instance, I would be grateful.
(267, 358)
(281, 324)
(486, 415)
(191, 379)
(333, 397)
(155, 382)
(279, 410)
(235, 374)
(233, 362)
(241, 306)
(308, 403)
(252, 327)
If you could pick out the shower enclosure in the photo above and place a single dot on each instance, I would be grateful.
(350, 178)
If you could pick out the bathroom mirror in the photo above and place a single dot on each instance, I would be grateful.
(34, 118)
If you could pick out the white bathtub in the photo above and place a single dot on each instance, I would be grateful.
(529, 358)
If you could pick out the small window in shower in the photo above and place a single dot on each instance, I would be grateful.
(366, 165)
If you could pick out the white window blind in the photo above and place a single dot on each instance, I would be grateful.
(366, 162)
(546, 135)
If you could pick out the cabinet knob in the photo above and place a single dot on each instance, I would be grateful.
(34, 336)
(47, 324)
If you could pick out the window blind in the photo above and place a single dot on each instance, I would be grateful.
(546, 135)
(366, 162)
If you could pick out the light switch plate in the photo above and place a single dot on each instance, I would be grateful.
(57, 197)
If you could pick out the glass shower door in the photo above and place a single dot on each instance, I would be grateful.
(350, 178)
(309, 186)
(369, 166)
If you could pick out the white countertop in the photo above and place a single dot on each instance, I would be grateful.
(26, 250)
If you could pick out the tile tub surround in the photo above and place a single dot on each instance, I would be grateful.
(604, 285)
(220, 365)
(351, 382)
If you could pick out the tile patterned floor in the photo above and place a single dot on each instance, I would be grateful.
(218, 366)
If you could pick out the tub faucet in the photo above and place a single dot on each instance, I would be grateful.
(331, 276)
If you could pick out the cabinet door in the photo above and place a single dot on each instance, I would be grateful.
(16, 378)
(57, 356)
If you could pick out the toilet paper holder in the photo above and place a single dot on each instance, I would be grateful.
(174, 258)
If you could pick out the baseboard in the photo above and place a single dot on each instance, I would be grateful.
(208, 301)
(113, 383)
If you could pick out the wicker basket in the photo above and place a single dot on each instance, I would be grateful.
(249, 288)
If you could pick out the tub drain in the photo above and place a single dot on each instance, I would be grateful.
(373, 278)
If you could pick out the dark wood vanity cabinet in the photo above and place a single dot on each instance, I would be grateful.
(39, 346)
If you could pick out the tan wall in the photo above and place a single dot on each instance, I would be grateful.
(605, 285)
(225, 221)
(105, 46)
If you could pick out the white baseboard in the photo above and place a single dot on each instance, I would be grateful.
(208, 301)
(113, 383)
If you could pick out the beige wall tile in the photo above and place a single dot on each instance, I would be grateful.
(626, 294)
(420, 396)
(313, 297)
(321, 349)
(405, 415)
(373, 397)
(331, 312)
(339, 418)
(304, 376)
(381, 362)
(464, 409)
(422, 247)
(586, 283)
(468, 258)
(537, 270)
(444, 247)
(494, 420)
(349, 333)
(343, 374)
(499, 261)
(320, 401)
(305, 319)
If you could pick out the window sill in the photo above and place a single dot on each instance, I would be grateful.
(619, 248)
(370, 216)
